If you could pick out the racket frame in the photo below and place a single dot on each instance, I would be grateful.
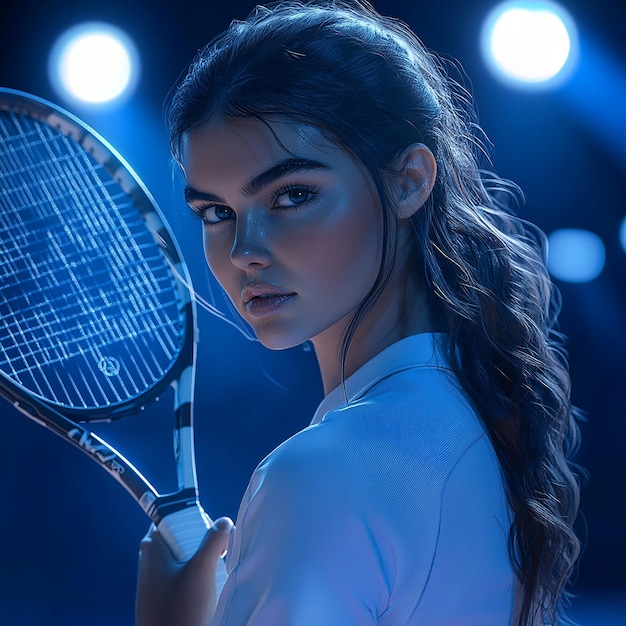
(178, 515)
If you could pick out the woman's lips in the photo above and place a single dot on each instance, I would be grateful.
(264, 299)
(260, 306)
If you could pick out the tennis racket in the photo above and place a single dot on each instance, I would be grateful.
(97, 317)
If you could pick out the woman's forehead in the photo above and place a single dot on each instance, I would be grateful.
(233, 145)
(231, 158)
(277, 135)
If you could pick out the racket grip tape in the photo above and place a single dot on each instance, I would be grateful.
(184, 531)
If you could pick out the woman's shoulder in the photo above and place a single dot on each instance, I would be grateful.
(417, 420)
(416, 406)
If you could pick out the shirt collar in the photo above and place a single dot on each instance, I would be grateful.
(423, 350)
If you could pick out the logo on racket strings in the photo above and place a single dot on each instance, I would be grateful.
(109, 366)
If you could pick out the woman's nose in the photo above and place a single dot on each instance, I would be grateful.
(250, 247)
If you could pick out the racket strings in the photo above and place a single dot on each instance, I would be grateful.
(90, 311)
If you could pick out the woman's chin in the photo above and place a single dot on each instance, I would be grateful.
(279, 341)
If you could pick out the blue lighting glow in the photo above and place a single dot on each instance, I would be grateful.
(529, 45)
(575, 256)
(93, 63)
(622, 234)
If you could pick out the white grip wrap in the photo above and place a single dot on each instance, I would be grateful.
(184, 530)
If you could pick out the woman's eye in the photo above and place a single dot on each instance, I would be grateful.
(215, 214)
(293, 197)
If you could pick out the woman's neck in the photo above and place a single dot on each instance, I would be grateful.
(397, 313)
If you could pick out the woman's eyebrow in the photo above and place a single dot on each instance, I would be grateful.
(282, 168)
(255, 184)
(192, 195)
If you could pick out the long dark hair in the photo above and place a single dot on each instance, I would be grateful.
(368, 84)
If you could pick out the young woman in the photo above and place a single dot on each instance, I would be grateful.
(335, 170)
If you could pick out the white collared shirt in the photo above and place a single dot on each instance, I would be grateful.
(388, 509)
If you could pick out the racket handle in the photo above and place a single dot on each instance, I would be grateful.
(184, 530)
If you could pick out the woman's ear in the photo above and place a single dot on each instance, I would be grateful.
(413, 179)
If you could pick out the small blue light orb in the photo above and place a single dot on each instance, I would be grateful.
(575, 256)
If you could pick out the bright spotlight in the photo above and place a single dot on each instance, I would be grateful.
(94, 64)
(529, 45)
(575, 256)
(622, 234)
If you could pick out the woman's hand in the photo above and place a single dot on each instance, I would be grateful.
(170, 593)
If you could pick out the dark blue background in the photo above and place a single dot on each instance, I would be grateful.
(69, 535)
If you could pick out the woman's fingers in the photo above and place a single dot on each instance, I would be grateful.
(170, 593)
(217, 538)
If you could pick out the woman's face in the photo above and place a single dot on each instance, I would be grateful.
(292, 225)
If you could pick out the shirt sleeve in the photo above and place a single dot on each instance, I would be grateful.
(301, 552)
